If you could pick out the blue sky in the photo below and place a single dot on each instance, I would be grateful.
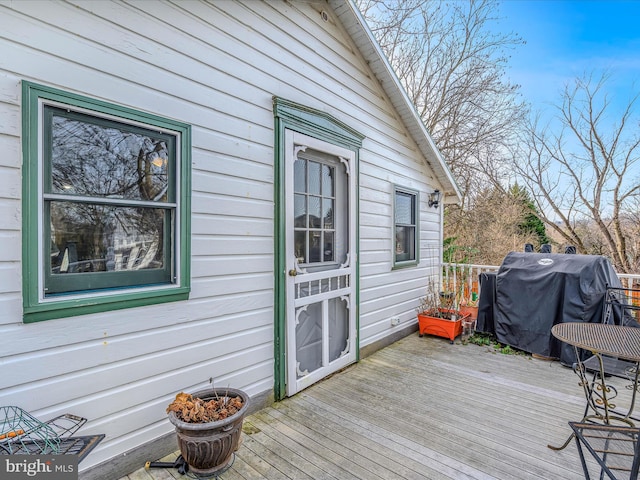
(566, 38)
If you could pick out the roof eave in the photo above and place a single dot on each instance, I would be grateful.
(356, 25)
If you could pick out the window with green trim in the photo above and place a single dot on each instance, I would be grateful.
(107, 201)
(405, 214)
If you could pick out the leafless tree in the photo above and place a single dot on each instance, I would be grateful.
(582, 172)
(452, 65)
(491, 227)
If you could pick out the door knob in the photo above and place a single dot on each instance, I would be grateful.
(293, 272)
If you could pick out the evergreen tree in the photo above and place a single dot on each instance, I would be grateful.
(531, 223)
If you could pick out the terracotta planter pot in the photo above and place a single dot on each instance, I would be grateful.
(208, 447)
(472, 312)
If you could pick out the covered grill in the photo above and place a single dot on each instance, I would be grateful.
(534, 291)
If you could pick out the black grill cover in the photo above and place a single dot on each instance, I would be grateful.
(534, 291)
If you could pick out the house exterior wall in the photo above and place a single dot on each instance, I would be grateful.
(215, 66)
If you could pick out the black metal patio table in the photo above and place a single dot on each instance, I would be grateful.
(608, 343)
(601, 338)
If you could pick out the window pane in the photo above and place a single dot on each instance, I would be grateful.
(300, 210)
(98, 238)
(404, 209)
(314, 212)
(405, 243)
(328, 247)
(100, 158)
(327, 213)
(315, 245)
(300, 240)
(300, 176)
(314, 178)
(327, 181)
(321, 202)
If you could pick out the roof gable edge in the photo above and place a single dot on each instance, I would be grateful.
(363, 37)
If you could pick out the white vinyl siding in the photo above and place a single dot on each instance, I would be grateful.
(215, 66)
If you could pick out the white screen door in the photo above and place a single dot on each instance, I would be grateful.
(320, 272)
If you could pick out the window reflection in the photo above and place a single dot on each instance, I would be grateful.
(103, 185)
(96, 160)
(98, 238)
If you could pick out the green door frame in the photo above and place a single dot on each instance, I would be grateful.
(323, 126)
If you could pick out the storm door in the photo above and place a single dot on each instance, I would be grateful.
(320, 259)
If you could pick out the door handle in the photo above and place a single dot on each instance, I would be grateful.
(293, 272)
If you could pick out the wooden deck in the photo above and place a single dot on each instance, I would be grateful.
(419, 409)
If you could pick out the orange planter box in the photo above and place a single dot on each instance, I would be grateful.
(440, 326)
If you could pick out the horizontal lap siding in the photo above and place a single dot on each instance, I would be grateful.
(10, 194)
(121, 369)
(215, 66)
(386, 293)
(388, 157)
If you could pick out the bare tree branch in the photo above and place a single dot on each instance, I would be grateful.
(580, 172)
(452, 67)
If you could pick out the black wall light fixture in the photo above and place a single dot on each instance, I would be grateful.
(434, 199)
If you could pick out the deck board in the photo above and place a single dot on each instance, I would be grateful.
(421, 408)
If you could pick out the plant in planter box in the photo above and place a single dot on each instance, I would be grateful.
(208, 425)
(437, 317)
(447, 300)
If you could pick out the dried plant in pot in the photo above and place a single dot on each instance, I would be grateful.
(434, 318)
(208, 426)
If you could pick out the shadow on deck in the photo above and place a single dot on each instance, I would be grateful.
(421, 408)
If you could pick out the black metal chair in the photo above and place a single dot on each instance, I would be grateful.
(617, 309)
(615, 448)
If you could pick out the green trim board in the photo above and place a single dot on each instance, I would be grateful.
(316, 123)
(37, 306)
(289, 115)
